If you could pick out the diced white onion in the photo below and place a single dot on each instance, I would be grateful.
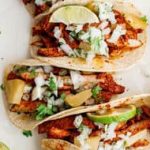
(77, 79)
(103, 25)
(94, 33)
(110, 131)
(76, 28)
(119, 31)
(48, 69)
(27, 88)
(37, 93)
(57, 33)
(78, 120)
(59, 102)
(106, 12)
(50, 102)
(134, 43)
(26, 97)
(60, 82)
(104, 50)
(106, 31)
(39, 81)
(83, 137)
(39, 69)
(90, 57)
(67, 49)
(39, 2)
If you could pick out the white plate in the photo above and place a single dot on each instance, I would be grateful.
(15, 27)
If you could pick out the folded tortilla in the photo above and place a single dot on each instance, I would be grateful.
(140, 100)
(99, 63)
(27, 121)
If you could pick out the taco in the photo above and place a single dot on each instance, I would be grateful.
(90, 36)
(36, 91)
(125, 126)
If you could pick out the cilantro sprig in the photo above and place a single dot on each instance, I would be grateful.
(139, 111)
(43, 111)
(52, 84)
(95, 91)
(2, 87)
(144, 19)
(27, 133)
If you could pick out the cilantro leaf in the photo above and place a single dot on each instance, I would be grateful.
(73, 34)
(63, 96)
(27, 133)
(33, 73)
(52, 84)
(43, 111)
(144, 18)
(139, 111)
(95, 91)
(2, 87)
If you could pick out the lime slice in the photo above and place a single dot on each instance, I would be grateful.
(74, 14)
(114, 115)
(3, 146)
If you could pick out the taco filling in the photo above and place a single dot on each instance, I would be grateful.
(40, 6)
(44, 90)
(131, 131)
(103, 32)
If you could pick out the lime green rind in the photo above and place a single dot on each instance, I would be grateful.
(125, 116)
(3, 146)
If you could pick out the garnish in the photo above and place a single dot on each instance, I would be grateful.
(52, 84)
(43, 111)
(21, 69)
(139, 111)
(27, 133)
(63, 96)
(95, 91)
(2, 87)
(33, 73)
(144, 18)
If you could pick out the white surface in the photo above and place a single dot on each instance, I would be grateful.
(15, 26)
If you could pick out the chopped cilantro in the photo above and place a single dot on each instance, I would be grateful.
(33, 73)
(22, 69)
(96, 44)
(52, 84)
(95, 91)
(139, 111)
(43, 111)
(61, 43)
(63, 96)
(2, 87)
(27, 133)
(81, 127)
(73, 34)
(144, 18)
(54, 109)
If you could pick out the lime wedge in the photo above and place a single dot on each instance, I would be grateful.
(114, 115)
(3, 146)
(74, 14)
